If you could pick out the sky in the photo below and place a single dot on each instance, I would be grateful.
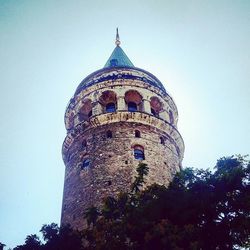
(200, 51)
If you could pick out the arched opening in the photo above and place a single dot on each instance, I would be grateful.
(156, 106)
(171, 117)
(153, 112)
(139, 153)
(110, 107)
(108, 101)
(85, 111)
(162, 141)
(85, 163)
(109, 134)
(137, 134)
(133, 100)
(132, 107)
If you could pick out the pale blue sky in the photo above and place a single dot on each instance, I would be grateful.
(198, 49)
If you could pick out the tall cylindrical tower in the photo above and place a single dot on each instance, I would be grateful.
(119, 115)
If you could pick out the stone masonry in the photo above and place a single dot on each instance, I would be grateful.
(119, 115)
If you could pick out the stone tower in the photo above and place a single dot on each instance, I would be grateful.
(119, 115)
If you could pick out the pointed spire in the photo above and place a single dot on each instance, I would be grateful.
(118, 57)
(117, 41)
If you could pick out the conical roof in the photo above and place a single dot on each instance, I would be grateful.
(118, 58)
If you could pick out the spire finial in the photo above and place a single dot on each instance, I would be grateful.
(117, 40)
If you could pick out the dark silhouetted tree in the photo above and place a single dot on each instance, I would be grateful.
(2, 246)
(91, 215)
(32, 242)
(200, 209)
(55, 238)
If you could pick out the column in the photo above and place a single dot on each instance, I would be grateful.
(96, 108)
(164, 115)
(146, 106)
(121, 105)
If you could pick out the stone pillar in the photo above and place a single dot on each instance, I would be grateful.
(97, 108)
(121, 105)
(146, 106)
(164, 115)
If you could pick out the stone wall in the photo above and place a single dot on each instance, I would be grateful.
(113, 165)
(98, 150)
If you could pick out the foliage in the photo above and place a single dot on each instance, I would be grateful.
(32, 242)
(91, 215)
(55, 238)
(200, 209)
(2, 246)
(142, 170)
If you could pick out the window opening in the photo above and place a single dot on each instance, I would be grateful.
(132, 107)
(109, 134)
(139, 153)
(156, 106)
(85, 110)
(85, 163)
(153, 112)
(110, 107)
(171, 118)
(90, 113)
(137, 134)
(162, 140)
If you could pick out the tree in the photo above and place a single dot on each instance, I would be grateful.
(32, 242)
(142, 170)
(91, 215)
(2, 246)
(50, 232)
(200, 209)
(64, 238)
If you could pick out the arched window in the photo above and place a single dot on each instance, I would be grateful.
(132, 107)
(171, 117)
(90, 113)
(153, 112)
(110, 107)
(137, 133)
(85, 111)
(109, 134)
(108, 100)
(139, 153)
(162, 140)
(133, 100)
(85, 163)
(156, 106)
